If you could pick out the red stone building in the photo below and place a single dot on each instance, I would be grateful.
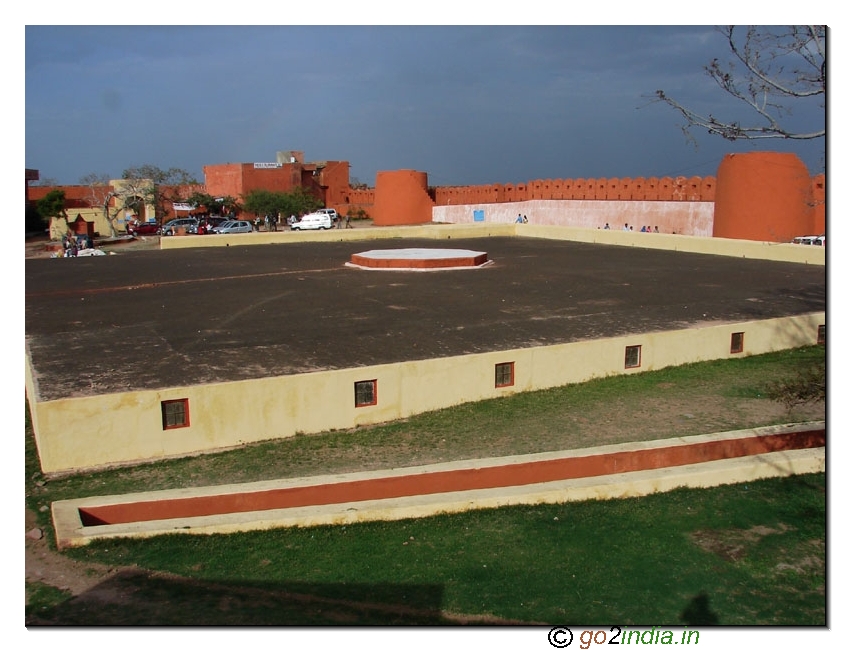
(327, 180)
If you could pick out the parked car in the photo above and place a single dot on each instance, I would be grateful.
(146, 228)
(171, 227)
(314, 221)
(232, 227)
(214, 229)
(215, 222)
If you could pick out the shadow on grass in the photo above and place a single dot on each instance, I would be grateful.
(698, 612)
(139, 598)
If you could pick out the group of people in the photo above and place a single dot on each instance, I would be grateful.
(270, 222)
(521, 218)
(72, 244)
(629, 228)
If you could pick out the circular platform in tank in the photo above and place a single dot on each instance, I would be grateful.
(419, 259)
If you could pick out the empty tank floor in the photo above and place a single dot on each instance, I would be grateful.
(153, 319)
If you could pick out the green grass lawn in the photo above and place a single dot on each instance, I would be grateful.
(747, 554)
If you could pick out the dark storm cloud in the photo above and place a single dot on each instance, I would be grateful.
(467, 105)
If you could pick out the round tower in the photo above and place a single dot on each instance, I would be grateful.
(401, 198)
(763, 197)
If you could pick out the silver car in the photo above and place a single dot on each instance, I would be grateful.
(232, 227)
(170, 228)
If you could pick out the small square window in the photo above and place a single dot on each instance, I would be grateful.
(175, 414)
(737, 342)
(366, 392)
(821, 334)
(504, 374)
(632, 356)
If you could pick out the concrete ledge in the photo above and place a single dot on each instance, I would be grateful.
(683, 243)
(731, 463)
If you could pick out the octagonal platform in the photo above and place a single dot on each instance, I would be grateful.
(419, 259)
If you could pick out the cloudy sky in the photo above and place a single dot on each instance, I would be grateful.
(467, 105)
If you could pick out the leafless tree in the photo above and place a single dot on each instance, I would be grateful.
(772, 70)
(138, 186)
(101, 194)
(161, 187)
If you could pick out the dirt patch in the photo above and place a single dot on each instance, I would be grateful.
(733, 545)
(807, 562)
(45, 565)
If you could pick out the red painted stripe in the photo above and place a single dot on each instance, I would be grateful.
(451, 480)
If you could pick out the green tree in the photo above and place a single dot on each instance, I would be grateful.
(52, 206)
(262, 202)
(213, 205)
(303, 202)
(772, 70)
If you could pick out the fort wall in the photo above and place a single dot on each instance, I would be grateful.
(672, 217)
(581, 189)
(762, 196)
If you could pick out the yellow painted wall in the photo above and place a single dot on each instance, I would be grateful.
(684, 243)
(58, 228)
(84, 433)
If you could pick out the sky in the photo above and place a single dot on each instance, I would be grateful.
(467, 105)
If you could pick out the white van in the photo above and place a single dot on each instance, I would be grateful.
(333, 214)
(808, 240)
(314, 221)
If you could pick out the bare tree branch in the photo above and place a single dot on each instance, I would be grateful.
(781, 66)
(101, 194)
